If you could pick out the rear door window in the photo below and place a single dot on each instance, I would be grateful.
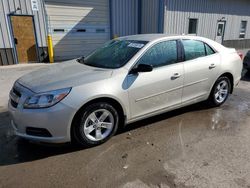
(193, 49)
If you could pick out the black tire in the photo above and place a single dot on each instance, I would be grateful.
(78, 134)
(212, 98)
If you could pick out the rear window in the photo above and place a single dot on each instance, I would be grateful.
(209, 50)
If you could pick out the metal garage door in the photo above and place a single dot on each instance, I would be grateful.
(78, 26)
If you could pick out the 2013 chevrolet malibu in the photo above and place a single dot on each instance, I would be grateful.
(128, 79)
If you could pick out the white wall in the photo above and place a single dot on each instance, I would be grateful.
(208, 12)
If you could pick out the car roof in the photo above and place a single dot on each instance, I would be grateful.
(146, 37)
(155, 37)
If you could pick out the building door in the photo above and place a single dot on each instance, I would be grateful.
(220, 31)
(24, 38)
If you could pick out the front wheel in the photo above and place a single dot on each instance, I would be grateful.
(220, 91)
(96, 124)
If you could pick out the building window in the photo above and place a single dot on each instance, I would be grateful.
(81, 30)
(243, 28)
(58, 30)
(192, 27)
(220, 30)
(100, 30)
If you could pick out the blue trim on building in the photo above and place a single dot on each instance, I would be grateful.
(161, 16)
(139, 16)
(110, 19)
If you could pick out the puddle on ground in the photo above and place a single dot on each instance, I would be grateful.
(218, 121)
(229, 115)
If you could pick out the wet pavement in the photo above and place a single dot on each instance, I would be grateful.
(194, 146)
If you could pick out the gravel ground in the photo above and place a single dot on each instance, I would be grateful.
(195, 146)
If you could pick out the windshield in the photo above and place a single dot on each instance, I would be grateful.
(114, 54)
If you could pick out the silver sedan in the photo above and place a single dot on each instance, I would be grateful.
(128, 79)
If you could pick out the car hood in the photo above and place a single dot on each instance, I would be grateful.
(62, 75)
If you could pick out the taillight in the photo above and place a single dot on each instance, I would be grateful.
(241, 55)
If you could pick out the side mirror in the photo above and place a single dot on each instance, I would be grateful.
(141, 68)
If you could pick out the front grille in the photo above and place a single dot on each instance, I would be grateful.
(38, 132)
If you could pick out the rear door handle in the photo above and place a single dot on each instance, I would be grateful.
(175, 76)
(212, 66)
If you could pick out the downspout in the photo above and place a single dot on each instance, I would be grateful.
(45, 18)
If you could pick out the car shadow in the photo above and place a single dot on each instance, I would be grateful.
(192, 108)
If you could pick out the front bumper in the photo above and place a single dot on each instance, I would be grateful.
(55, 121)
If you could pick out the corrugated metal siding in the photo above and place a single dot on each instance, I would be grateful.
(77, 27)
(124, 17)
(150, 16)
(6, 56)
(208, 12)
(9, 6)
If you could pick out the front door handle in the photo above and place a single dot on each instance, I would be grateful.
(212, 66)
(175, 76)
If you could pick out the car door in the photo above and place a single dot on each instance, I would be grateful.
(201, 68)
(161, 88)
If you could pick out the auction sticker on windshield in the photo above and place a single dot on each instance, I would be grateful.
(135, 45)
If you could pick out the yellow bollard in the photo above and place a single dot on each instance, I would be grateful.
(115, 36)
(50, 49)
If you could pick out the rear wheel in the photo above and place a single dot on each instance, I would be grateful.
(96, 124)
(220, 91)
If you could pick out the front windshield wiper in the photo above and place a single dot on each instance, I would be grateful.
(80, 59)
(96, 65)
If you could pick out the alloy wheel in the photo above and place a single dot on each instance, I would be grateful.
(221, 91)
(98, 125)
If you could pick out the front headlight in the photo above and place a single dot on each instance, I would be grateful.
(47, 99)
